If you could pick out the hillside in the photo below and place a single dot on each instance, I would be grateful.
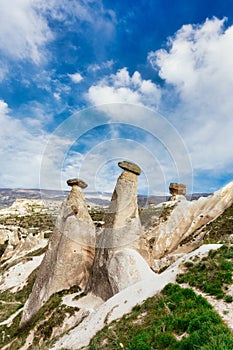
(174, 317)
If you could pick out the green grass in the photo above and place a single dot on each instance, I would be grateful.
(51, 315)
(10, 303)
(7, 309)
(212, 274)
(160, 319)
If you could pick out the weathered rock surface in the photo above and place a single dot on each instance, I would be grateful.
(78, 182)
(22, 247)
(117, 264)
(177, 189)
(127, 267)
(185, 219)
(134, 168)
(70, 254)
(15, 277)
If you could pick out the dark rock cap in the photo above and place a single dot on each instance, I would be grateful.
(134, 168)
(176, 188)
(77, 182)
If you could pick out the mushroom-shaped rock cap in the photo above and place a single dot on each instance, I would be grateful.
(77, 182)
(176, 188)
(134, 168)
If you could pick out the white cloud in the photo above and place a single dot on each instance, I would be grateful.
(3, 71)
(198, 58)
(3, 107)
(130, 132)
(83, 10)
(23, 31)
(99, 166)
(123, 88)
(22, 153)
(25, 25)
(101, 20)
(57, 96)
(76, 77)
(104, 65)
(33, 158)
(198, 65)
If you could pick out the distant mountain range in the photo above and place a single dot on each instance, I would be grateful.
(8, 196)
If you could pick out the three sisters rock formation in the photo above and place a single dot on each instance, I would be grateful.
(121, 254)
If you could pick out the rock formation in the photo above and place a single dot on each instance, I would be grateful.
(117, 263)
(70, 253)
(185, 221)
(178, 191)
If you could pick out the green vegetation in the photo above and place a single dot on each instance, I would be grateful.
(12, 302)
(151, 216)
(42, 221)
(176, 319)
(212, 274)
(51, 315)
(22, 295)
(26, 224)
(221, 229)
(7, 309)
(97, 214)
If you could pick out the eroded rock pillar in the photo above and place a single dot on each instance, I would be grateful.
(117, 263)
(70, 254)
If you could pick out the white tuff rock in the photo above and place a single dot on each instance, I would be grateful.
(117, 263)
(70, 254)
(185, 219)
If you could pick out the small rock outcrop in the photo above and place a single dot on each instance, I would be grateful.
(70, 252)
(178, 191)
(117, 263)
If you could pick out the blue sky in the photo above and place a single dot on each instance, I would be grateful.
(84, 84)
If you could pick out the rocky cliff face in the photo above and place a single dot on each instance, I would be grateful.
(69, 256)
(185, 219)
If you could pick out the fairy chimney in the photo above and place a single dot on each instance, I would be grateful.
(117, 263)
(70, 254)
